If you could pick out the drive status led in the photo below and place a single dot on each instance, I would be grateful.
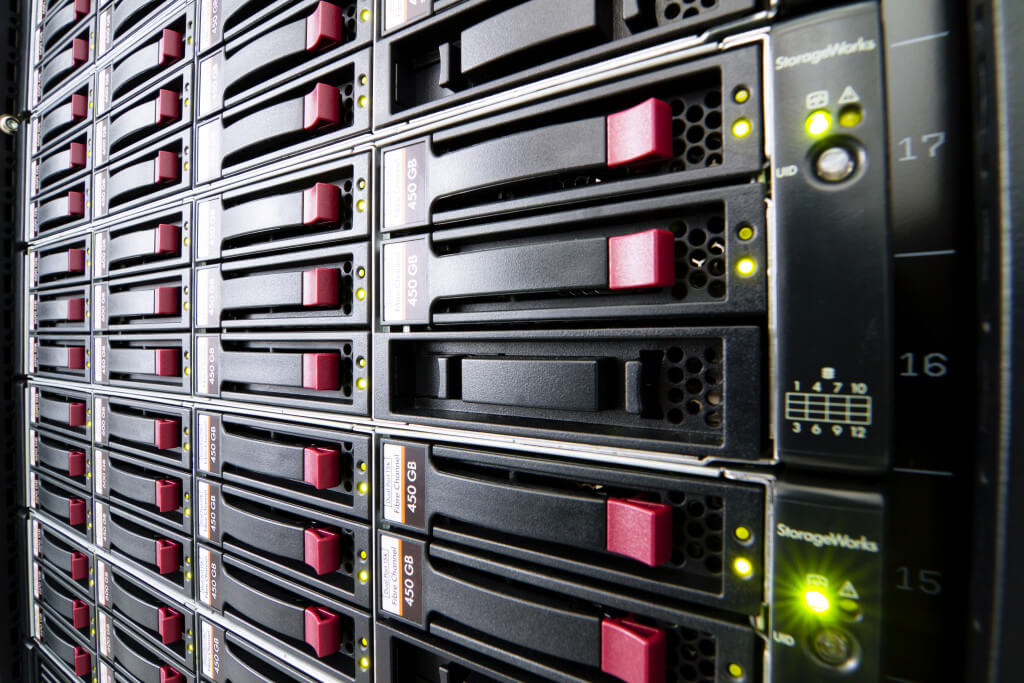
(818, 123)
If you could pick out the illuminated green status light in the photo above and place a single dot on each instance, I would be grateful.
(746, 267)
(743, 567)
(741, 128)
(818, 123)
(364, 663)
(816, 601)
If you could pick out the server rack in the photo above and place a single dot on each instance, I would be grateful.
(504, 340)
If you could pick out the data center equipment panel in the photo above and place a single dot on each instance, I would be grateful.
(443, 341)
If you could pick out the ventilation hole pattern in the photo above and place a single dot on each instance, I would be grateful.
(348, 105)
(690, 656)
(346, 370)
(675, 10)
(697, 524)
(347, 205)
(696, 130)
(349, 21)
(700, 258)
(692, 389)
(347, 474)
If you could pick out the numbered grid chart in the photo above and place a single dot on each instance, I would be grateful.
(829, 408)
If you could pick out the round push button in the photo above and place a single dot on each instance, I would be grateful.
(835, 164)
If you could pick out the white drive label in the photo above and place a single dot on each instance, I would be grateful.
(104, 635)
(34, 493)
(99, 359)
(35, 538)
(209, 23)
(210, 92)
(394, 281)
(204, 576)
(33, 448)
(99, 254)
(106, 673)
(208, 156)
(206, 365)
(206, 640)
(104, 37)
(100, 418)
(37, 580)
(100, 471)
(101, 586)
(202, 297)
(100, 192)
(102, 88)
(397, 12)
(101, 525)
(101, 141)
(394, 465)
(204, 509)
(206, 235)
(204, 443)
(391, 574)
(99, 305)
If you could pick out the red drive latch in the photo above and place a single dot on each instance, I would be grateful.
(76, 203)
(643, 259)
(76, 309)
(165, 241)
(320, 287)
(632, 652)
(77, 155)
(321, 204)
(79, 613)
(322, 550)
(166, 433)
(81, 8)
(320, 371)
(639, 529)
(169, 624)
(79, 51)
(166, 167)
(76, 511)
(76, 463)
(171, 46)
(321, 107)
(166, 362)
(168, 674)
(640, 134)
(79, 107)
(82, 661)
(321, 467)
(79, 566)
(166, 300)
(323, 630)
(76, 357)
(168, 556)
(76, 260)
(168, 106)
(324, 26)
(76, 414)
(168, 494)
